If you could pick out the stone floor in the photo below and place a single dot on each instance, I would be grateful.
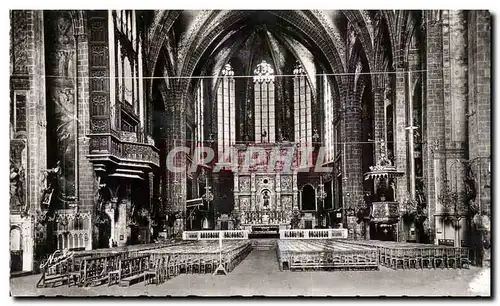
(258, 274)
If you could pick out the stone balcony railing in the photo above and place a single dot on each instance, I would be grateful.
(110, 146)
(313, 234)
(215, 235)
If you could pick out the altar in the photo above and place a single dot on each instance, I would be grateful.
(265, 191)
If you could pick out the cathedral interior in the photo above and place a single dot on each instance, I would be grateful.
(396, 105)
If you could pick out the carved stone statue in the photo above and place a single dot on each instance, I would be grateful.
(63, 27)
(16, 188)
(470, 184)
(64, 63)
(264, 136)
(50, 176)
(266, 199)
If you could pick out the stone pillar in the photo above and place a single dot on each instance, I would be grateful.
(122, 229)
(28, 98)
(110, 211)
(434, 170)
(379, 119)
(175, 138)
(295, 190)
(351, 155)
(85, 179)
(400, 137)
(236, 192)
(479, 116)
(151, 207)
(27, 243)
(253, 199)
(277, 188)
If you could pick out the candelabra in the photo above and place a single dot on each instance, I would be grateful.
(321, 196)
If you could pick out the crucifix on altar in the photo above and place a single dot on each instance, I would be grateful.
(208, 196)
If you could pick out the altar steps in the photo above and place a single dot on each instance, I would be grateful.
(264, 244)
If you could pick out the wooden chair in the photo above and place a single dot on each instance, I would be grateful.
(439, 260)
(188, 264)
(135, 270)
(173, 266)
(208, 264)
(115, 275)
(451, 259)
(416, 259)
(425, 260)
(396, 258)
(407, 256)
(152, 273)
(196, 265)
(75, 276)
(464, 258)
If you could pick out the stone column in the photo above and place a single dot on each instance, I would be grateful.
(295, 190)
(110, 211)
(434, 130)
(85, 180)
(479, 115)
(351, 155)
(278, 206)
(28, 96)
(175, 137)
(253, 199)
(151, 207)
(236, 192)
(123, 230)
(400, 137)
(27, 243)
(379, 120)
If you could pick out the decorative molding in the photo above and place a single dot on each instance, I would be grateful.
(19, 24)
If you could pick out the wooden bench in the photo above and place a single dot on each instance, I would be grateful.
(57, 272)
(133, 269)
(96, 269)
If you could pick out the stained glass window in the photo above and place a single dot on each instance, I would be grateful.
(329, 129)
(302, 107)
(226, 105)
(264, 103)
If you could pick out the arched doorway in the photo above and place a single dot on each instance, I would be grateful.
(16, 250)
(104, 230)
(308, 203)
(308, 200)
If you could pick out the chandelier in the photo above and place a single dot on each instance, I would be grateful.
(263, 73)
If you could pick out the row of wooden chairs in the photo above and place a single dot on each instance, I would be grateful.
(131, 269)
(58, 274)
(354, 259)
(192, 263)
(418, 258)
(405, 255)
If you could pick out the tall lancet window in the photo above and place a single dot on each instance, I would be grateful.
(264, 102)
(125, 60)
(329, 131)
(226, 119)
(199, 132)
(302, 107)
